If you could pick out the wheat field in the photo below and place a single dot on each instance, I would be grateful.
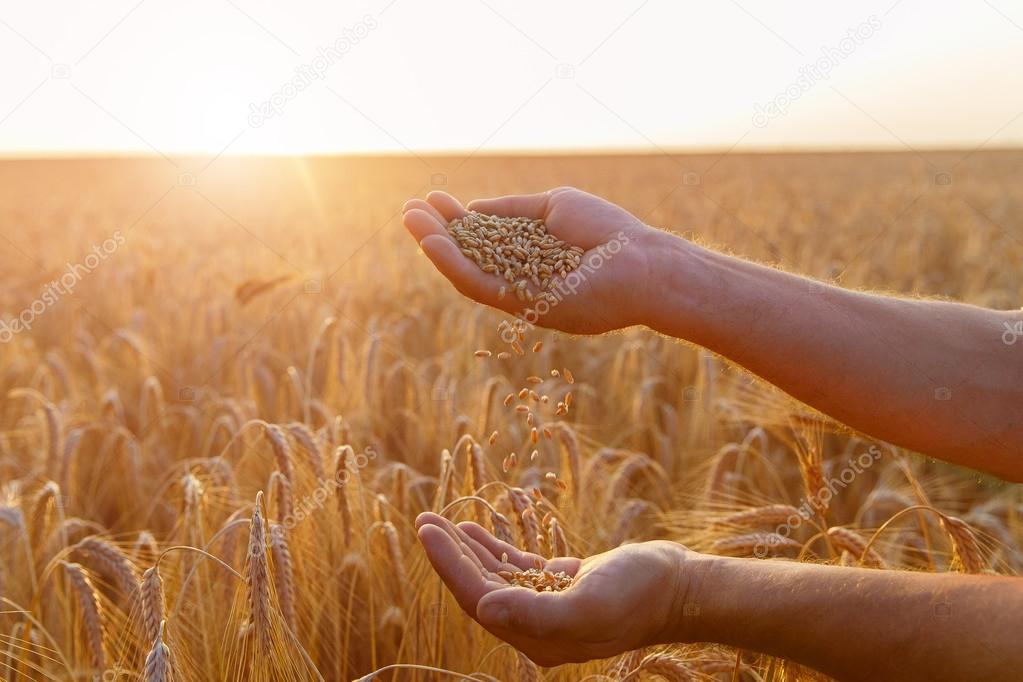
(214, 444)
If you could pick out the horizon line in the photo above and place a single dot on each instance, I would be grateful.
(98, 154)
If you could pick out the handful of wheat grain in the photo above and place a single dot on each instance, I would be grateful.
(538, 579)
(518, 249)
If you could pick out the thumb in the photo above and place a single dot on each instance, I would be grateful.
(528, 613)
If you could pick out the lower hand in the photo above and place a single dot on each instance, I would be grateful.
(621, 600)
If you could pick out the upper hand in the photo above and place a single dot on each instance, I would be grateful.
(608, 291)
(620, 600)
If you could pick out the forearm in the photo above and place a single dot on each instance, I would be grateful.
(932, 376)
(855, 623)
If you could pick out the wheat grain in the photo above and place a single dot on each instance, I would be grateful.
(518, 249)
(538, 579)
(482, 354)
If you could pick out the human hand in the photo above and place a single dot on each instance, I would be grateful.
(609, 291)
(623, 599)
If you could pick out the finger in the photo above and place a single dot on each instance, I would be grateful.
(446, 205)
(422, 224)
(423, 206)
(429, 518)
(530, 613)
(464, 543)
(487, 560)
(521, 560)
(458, 572)
(513, 205)
(464, 274)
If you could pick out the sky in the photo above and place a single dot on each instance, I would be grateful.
(317, 77)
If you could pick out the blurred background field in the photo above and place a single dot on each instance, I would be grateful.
(255, 292)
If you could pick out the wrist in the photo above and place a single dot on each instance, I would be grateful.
(672, 298)
(690, 587)
(706, 587)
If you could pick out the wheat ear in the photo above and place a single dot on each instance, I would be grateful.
(88, 604)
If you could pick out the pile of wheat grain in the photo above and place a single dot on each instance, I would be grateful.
(518, 249)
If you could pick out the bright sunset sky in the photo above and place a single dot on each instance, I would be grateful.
(187, 76)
